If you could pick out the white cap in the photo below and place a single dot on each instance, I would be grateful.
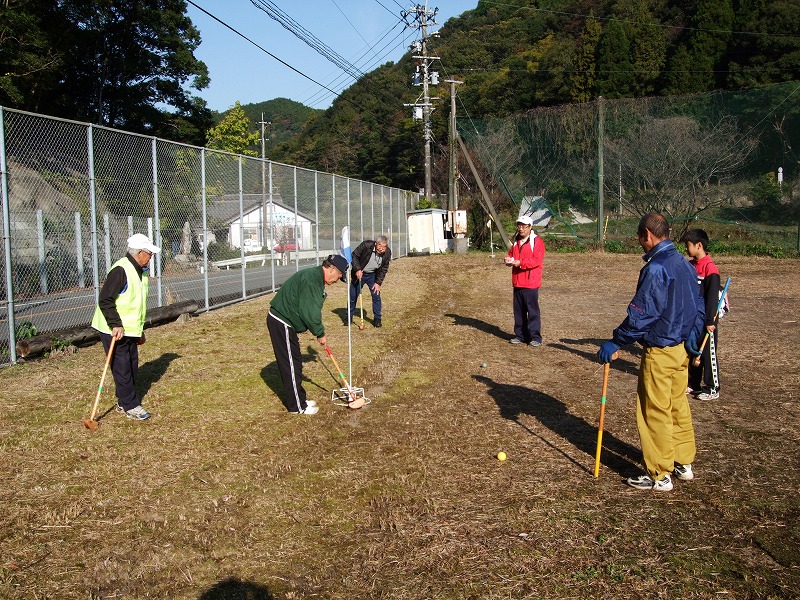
(525, 220)
(140, 241)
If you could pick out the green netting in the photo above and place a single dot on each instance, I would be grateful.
(683, 156)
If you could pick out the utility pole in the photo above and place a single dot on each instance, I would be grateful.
(452, 200)
(601, 130)
(419, 17)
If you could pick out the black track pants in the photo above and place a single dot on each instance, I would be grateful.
(286, 346)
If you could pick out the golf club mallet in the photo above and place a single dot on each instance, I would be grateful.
(606, 369)
(361, 307)
(720, 304)
(353, 402)
(91, 423)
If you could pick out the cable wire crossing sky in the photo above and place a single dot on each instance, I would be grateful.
(306, 50)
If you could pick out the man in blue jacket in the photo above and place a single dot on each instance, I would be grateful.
(666, 317)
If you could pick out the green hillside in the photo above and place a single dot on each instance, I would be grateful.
(285, 120)
(513, 56)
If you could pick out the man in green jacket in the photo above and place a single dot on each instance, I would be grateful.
(120, 315)
(297, 307)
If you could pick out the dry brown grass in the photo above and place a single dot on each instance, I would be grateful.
(223, 493)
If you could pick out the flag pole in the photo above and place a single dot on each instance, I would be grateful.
(344, 250)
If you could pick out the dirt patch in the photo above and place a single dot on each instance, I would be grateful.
(223, 491)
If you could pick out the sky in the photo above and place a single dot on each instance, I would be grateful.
(365, 33)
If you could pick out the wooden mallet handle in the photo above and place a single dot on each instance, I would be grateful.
(606, 370)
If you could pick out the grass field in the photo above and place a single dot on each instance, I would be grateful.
(222, 494)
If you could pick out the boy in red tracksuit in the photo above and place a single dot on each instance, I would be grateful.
(525, 258)
(704, 379)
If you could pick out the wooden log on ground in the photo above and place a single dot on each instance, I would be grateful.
(83, 334)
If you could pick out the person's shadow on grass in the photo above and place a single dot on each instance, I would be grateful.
(479, 325)
(149, 373)
(516, 400)
(235, 589)
(153, 370)
(623, 364)
(341, 312)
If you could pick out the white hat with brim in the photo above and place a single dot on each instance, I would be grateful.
(525, 220)
(140, 241)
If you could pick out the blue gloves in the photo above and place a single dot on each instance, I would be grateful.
(691, 345)
(606, 352)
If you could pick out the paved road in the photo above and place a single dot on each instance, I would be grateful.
(75, 308)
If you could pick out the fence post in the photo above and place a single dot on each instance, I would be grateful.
(159, 258)
(42, 253)
(333, 208)
(296, 236)
(600, 141)
(12, 333)
(79, 250)
(271, 230)
(348, 223)
(241, 223)
(93, 215)
(107, 240)
(399, 222)
(205, 224)
(361, 206)
(316, 211)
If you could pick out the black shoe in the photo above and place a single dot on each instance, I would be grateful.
(378, 323)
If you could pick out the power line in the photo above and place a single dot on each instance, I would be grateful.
(344, 14)
(288, 23)
(388, 48)
(267, 52)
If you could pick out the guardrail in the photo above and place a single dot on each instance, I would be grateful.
(264, 259)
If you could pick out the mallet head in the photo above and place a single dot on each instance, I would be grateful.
(355, 403)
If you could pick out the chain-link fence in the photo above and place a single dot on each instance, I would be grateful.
(230, 227)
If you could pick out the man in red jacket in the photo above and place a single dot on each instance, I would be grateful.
(525, 258)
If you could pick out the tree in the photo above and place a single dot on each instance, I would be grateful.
(584, 74)
(705, 48)
(677, 165)
(233, 134)
(26, 55)
(649, 55)
(109, 62)
(769, 51)
(614, 69)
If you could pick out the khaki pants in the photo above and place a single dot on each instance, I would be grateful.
(662, 410)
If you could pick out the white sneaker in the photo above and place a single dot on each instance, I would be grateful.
(309, 410)
(138, 413)
(683, 472)
(645, 482)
